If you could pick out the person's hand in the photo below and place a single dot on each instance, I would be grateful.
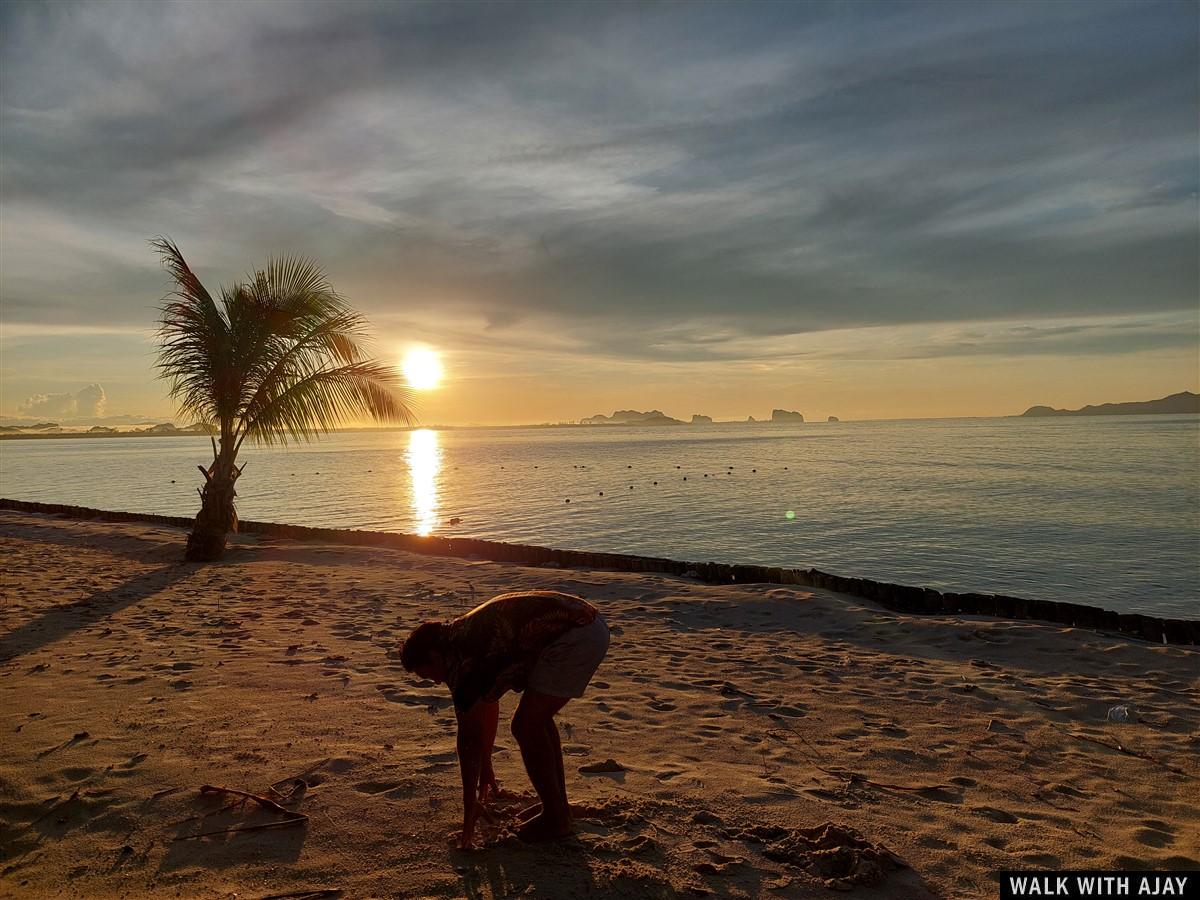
(465, 839)
(489, 789)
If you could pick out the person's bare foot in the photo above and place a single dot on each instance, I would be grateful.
(540, 829)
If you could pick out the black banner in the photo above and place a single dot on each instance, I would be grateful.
(1080, 883)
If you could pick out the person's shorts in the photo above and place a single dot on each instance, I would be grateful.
(566, 666)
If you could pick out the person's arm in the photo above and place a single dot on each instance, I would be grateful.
(487, 776)
(470, 744)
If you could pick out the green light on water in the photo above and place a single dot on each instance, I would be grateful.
(790, 514)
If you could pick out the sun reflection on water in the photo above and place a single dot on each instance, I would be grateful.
(424, 460)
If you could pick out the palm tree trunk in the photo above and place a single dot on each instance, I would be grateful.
(217, 516)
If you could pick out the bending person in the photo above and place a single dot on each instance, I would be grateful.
(545, 643)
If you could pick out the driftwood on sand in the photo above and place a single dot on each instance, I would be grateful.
(292, 817)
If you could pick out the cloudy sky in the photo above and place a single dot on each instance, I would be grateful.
(862, 209)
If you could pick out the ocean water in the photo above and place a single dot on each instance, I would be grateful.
(1102, 510)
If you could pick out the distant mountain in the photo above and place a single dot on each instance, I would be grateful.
(698, 419)
(1183, 402)
(833, 419)
(40, 426)
(784, 415)
(170, 428)
(631, 417)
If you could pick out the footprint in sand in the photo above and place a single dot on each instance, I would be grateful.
(712, 868)
(638, 843)
(995, 815)
(792, 712)
(390, 788)
(1155, 834)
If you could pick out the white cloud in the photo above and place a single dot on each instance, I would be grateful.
(87, 403)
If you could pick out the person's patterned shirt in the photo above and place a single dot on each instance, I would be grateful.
(492, 648)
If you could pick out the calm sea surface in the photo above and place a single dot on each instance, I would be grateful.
(1101, 510)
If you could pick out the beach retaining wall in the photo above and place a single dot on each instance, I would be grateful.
(896, 597)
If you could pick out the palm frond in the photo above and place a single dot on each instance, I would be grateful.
(194, 341)
(318, 400)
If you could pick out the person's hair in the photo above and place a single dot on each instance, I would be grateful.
(424, 639)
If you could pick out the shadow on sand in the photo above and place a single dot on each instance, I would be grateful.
(59, 621)
(75, 533)
(204, 839)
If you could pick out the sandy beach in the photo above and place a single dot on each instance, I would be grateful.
(766, 741)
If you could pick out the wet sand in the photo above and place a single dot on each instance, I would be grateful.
(768, 741)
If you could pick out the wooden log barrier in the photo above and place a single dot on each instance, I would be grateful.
(896, 597)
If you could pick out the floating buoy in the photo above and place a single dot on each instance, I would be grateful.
(455, 520)
(685, 478)
(172, 481)
(566, 501)
(602, 493)
(629, 467)
(656, 482)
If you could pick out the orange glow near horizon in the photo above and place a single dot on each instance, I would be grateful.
(422, 368)
(424, 461)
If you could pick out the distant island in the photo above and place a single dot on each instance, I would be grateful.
(632, 417)
(657, 417)
(1183, 402)
(53, 429)
(43, 427)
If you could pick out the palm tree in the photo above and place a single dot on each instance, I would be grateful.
(279, 358)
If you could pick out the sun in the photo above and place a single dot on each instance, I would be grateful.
(422, 368)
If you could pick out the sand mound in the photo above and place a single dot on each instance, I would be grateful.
(837, 854)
